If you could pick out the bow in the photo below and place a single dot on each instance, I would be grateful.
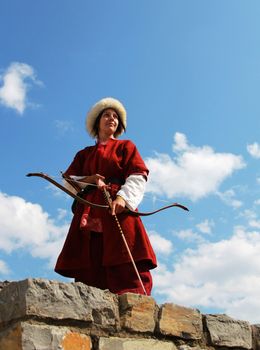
(95, 205)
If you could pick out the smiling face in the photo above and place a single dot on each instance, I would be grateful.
(108, 122)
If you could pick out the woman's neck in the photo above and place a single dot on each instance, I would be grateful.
(103, 138)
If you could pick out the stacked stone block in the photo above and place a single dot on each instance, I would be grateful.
(38, 314)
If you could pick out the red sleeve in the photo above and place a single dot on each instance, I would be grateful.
(133, 162)
(76, 167)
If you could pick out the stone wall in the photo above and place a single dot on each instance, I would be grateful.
(38, 314)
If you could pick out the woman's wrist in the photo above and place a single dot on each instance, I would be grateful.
(121, 198)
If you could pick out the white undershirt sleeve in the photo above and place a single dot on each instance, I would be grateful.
(133, 190)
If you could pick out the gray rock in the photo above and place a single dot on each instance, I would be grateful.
(59, 301)
(225, 331)
(3, 284)
(187, 347)
(256, 336)
(114, 343)
(26, 336)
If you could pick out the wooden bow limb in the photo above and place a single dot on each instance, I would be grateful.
(71, 182)
(109, 201)
(64, 189)
(94, 205)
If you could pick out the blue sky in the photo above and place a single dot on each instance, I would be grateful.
(188, 73)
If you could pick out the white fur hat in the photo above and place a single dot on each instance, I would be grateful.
(100, 106)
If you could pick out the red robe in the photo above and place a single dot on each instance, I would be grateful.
(116, 160)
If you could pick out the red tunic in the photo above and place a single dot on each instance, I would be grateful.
(116, 160)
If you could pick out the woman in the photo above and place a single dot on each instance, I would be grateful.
(94, 252)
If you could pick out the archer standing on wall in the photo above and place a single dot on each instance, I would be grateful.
(94, 252)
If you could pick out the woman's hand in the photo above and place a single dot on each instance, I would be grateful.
(118, 205)
(97, 179)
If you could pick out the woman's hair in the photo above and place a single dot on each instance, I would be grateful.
(120, 128)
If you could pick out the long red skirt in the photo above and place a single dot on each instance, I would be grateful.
(118, 279)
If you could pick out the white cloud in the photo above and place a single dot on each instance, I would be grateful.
(16, 78)
(228, 197)
(181, 143)
(249, 214)
(205, 226)
(194, 173)
(254, 223)
(25, 225)
(189, 236)
(254, 150)
(224, 275)
(4, 269)
(63, 126)
(56, 192)
(62, 213)
(160, 244)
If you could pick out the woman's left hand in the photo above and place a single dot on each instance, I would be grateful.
(118, 205)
